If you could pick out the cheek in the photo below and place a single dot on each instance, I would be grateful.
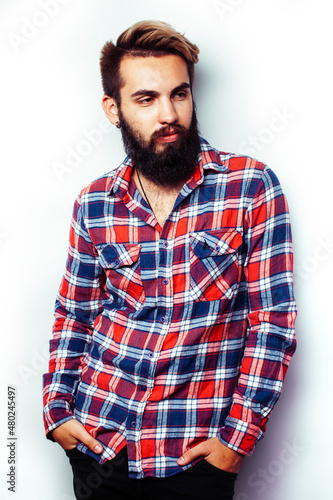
(144, 122)
(186, 114)
(144, 130)
(141, 123)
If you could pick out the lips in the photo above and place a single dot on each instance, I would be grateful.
(168, 136)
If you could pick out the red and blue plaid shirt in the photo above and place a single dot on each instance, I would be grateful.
(165, 337)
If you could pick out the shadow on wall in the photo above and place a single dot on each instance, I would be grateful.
(264, 474)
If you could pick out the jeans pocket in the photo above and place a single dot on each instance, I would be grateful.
(232, 476)
(73, 452)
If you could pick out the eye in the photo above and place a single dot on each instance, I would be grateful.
(145, 100)
(182, 94)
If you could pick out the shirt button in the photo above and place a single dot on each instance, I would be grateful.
(165, 282)
(217, 248)
(162, 320)
(151, 354)
(165, 244)
(117, 262)
(133, 424)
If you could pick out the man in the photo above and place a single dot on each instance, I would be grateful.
(175, 317)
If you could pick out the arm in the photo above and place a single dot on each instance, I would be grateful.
(77, 306)
(272, 313)
(270, 336)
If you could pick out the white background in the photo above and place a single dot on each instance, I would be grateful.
(259, 59)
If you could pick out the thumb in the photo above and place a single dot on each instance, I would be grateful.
(192, 454)
(85, 438)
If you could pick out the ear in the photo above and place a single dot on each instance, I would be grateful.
(110, 109)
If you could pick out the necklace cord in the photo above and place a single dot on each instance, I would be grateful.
(144, 192)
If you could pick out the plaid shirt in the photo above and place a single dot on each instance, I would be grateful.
(165, 337)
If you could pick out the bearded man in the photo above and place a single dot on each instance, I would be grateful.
(175, 318)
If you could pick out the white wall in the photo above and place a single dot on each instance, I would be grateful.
(259, 59)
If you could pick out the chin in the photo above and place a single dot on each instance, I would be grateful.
(162, 146)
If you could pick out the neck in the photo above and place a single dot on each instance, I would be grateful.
(161, 199)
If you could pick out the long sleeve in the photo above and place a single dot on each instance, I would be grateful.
(78, 303)
(272, 311)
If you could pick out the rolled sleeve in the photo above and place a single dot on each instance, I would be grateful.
(77, 306)
(272, 312)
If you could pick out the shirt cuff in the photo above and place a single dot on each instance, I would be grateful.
(242, 429)
(56, 413)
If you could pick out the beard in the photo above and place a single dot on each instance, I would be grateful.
(173, 165)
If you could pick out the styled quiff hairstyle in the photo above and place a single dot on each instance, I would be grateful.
(143, 39)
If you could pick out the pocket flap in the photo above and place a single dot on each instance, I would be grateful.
(216, 242)
(118, 255)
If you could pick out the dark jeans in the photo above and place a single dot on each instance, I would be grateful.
(110, 481)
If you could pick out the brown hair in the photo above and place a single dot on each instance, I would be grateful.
(143, 39)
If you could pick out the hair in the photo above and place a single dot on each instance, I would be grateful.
(143, 39)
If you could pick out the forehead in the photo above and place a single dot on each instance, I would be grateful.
(153, 73)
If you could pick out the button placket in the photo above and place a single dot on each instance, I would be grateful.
(165, 279)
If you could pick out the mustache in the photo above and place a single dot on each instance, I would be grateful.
(170, 129)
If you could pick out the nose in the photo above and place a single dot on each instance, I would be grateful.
(167, 112)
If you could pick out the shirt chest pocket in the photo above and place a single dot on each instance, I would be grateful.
(214, 263)
(121, 264)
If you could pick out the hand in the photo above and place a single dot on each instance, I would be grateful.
(72, 432)
(216, 454)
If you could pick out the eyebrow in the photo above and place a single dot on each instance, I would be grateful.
(154, 93)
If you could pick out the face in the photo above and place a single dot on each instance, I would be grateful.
(157, 117)
(156, 99)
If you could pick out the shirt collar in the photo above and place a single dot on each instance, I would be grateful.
(212, 159)
(120, 178)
